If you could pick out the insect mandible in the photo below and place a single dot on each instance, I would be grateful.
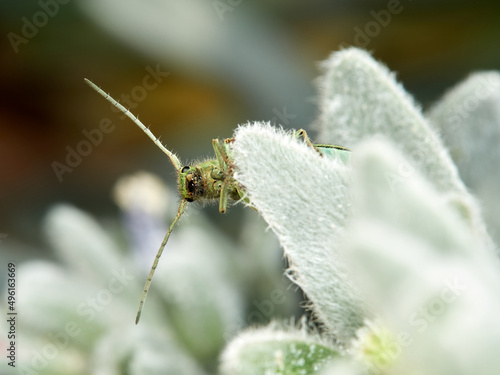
(212, 179)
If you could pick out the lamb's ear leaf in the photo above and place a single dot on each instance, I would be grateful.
(274, 350)
(360, 99)
(305, 200)
(468, 117)
(421, 269)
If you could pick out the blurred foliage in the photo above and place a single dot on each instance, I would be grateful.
(44, 104)
(256, 63)
(391, 249)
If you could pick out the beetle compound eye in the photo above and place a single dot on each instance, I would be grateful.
(191, 183)
(185, 169)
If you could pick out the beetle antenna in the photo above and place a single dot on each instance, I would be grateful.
(180, 211)
(173, 158)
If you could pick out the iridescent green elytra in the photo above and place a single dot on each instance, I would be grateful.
(211, 179)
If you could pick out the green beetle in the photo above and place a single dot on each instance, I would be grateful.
(211, 179)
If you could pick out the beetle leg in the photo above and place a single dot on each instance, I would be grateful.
(301, 133)
(223, 197)
(220, 154)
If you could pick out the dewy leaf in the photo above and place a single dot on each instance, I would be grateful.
(360, 99)
(468, 117)
(273, 350)
(422, 269)
(305, 200)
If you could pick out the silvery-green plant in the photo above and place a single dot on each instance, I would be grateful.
(391, 250)
(78, 313)
(468, 118)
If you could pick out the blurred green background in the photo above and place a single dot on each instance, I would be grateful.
(227, 64)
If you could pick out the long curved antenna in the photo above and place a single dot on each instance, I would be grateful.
(173, 158)
(180, 211)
